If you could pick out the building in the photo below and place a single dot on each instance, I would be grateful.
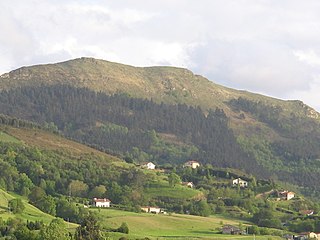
(149, 165)
(306, 212)
(149, 209)
(104, 202)
(230, 229)
(239, 182)
(286, 195)
(192, 164)
(188, 184)
(306, 235)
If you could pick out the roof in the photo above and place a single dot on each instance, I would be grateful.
(101, 200)
(192, 161)
(286, 193)
(239, 179)
(228, 226)
(306, 212)
(187, 183)
(146, 163)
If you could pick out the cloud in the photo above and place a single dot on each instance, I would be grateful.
(311, 95)
(309, 57)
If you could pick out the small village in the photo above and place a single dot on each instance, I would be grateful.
(273, 195)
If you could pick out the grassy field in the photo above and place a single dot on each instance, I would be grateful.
(164, 190)
(49, 141)
(30, 213)
(173, 226)
(7, 138)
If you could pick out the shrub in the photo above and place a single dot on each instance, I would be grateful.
(123, 228)
(16, 205)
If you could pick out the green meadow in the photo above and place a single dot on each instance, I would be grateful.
(169, 226)
(30, 213)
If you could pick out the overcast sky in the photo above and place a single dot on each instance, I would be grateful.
(266, 46)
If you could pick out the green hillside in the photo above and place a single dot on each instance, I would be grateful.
(90, 100)
(30, 213)
(60, 177)
(62, 161)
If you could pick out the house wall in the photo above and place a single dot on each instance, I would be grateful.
(151, 166)
(145, 209)
(102, 204)
(154, 210)
(195, 165)
(290, 196)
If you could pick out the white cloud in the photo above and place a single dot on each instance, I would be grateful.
(309, 57)
(311, 95)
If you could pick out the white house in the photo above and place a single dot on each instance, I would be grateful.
(104, 202)
(149, 209)
(192, 164)
(149, 165)
(239, 182)
(286, 195)
(188, 184)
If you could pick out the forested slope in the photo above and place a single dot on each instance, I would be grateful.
(129, 127)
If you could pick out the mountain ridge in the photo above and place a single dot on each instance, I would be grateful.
(168, 84)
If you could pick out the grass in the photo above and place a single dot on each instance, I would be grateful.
(30, 213)
(173, 226)
(164, 190)
(49, 141)
(7, 138)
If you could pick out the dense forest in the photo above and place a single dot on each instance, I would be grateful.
(132, 127)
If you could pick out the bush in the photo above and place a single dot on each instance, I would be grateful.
(16, 205)
(123, 228)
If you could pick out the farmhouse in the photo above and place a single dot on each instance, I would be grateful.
(306, 212)
(239, 182)
(307, 235)
(104, 202)
(149, 165)
(188, 184)
(149, 209)
(230, 229)
(192, 164)
(286, 195)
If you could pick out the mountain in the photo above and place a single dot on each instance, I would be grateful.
(162, 84)
(168, 115)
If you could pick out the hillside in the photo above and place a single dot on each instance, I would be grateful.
(163, 84)
(60, 176)
(144, 114)
(36, 157)
(30, 213)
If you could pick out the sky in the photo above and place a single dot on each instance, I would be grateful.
(270, 47)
